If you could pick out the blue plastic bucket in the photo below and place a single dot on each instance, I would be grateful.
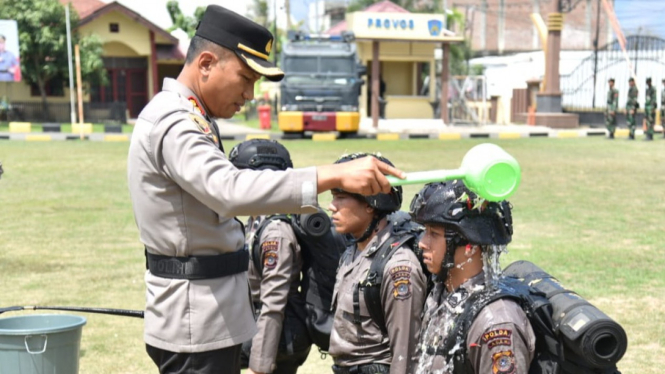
(40, 344)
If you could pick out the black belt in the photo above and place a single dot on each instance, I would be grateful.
(362, 369)
(197, 267)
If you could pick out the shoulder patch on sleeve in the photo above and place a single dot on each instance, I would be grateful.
(401, 278)
(203, 126)
(270, 256)
(503, 363)
(200, 123)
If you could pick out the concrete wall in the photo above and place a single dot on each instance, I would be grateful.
(511, 30)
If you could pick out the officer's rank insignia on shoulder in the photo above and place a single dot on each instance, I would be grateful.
(197, 107)
(503, 363)
(401, 278)
(269, 249)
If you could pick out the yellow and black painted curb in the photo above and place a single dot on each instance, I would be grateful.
(332, 136)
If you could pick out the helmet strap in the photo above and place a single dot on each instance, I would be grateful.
(370, 229)
(453, 240)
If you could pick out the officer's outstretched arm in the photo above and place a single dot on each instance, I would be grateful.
(365, 176)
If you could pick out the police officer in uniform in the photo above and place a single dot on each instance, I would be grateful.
(8, 63)
(611, 111)
(631, 108)
(282, 342)
(464, 235)
(358, 344)
(650, 106)
(185, 195)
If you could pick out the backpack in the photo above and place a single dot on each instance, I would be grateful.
(321, 248)
(592, 344)
(405, 232)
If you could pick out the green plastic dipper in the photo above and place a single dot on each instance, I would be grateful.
(486, 169)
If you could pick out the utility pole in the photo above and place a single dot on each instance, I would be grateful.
(444, 7)
(72, 112)
(274, 11)
(595, 56)
(502, 26)
(287, 7)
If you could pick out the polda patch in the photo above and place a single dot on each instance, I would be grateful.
(401, 277)
(504, 363)
(505, 334)
(400, 272)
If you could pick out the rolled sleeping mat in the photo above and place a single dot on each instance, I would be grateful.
(315, 224)
(598, 340)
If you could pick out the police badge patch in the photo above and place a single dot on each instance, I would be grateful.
(270, 257)
(401, 277)
(503, 363)
(200, 123)
(203, 126)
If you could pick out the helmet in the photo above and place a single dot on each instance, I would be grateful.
(453, 205)
(386, 203)
(260, 154)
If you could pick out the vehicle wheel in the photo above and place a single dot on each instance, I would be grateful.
(348, 135)
(293, 135)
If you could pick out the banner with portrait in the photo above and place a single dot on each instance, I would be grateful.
(10, 61)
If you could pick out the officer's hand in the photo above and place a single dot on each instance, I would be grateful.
(363, 176)
(250, 371)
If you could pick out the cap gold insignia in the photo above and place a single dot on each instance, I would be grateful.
(201, 123)
(269, 46)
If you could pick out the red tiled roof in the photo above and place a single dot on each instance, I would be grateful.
(116, 6)
(84, 7)
(385, 6)
(170, 52)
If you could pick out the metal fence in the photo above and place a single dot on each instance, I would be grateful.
(115, 112)
(585, 88)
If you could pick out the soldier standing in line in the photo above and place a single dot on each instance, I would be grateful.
(464, 237)
(631, 108)
(611, 111)
(362, 342)
(650, 106)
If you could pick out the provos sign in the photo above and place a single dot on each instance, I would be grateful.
(434, 26)
(390, 23)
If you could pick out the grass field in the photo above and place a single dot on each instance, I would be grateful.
(589, 211)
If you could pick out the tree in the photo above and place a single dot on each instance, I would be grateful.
(180, 21)
(43, 44)
(259, 12)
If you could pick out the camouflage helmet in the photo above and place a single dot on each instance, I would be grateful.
(454, 206)
(385, 203)
(260, 154)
